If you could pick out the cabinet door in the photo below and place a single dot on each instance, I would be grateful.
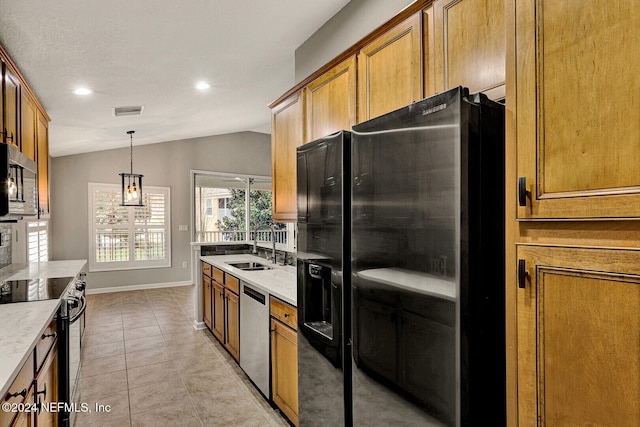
(232, 342)
(330, 101)
(26, 419)
(27, 126)
(207, 309)
(578, 335)
(470, 45)
(284, 369)
(217, 316)
(42, 145)
(390, 70)
(577, 108)
(286, 135)
(11, 107)
(47, 389)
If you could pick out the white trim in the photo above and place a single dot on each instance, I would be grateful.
(90, 291)
(131, 264)
(198, 326)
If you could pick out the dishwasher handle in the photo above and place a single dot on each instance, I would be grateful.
(252, 293)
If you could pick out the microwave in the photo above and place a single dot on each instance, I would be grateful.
(18, 185)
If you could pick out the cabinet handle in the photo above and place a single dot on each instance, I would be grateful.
(22, 393)
(7, 137)
(286, 315)
(522, 191)
(522, 274)
(54, 335)
(43, 397)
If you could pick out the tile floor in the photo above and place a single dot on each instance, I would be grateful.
(142, 356)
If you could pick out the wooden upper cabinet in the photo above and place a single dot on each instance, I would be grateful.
(577, 107)
(390, 70)
(470, 46)
(578, 336)
(286, 135)
(428, 47)
(330, 101)
(27, 126)
(42, 146)
(11, 86)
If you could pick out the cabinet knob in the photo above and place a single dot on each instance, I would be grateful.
(53, 335)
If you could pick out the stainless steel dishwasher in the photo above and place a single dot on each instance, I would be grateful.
(254, 336)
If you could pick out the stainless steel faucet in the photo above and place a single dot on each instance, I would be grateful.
(272, 227)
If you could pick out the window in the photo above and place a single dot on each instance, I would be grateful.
(209, 209)
(37, 241)
(122, 237)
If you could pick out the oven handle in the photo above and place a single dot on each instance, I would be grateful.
(81, 311)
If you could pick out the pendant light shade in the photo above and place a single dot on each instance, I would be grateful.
(131, 182)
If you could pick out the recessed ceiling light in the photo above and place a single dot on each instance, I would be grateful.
(202, 85)
(83, 91)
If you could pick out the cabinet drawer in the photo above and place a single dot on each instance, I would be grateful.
(206, 269)
(23, 381)
(232, 283)
(218, 275)
(284, 312)
(46, 341)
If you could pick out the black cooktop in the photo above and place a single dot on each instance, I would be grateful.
(33, 290)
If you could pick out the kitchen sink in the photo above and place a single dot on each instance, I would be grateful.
(250, 266)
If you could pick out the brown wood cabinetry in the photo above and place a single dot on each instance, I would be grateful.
(330, 101)
(579, 337)
(573, 323)
(35, 384)
(19, 391)
(24, 124)
(469, 45)
(46, 389)
(221, 307)
(217, 296)
(577, 120)
(28, 126)
(286, 135)
(390, 70)
(42, 147)
(11, 104)
(284, 359)
(207, 305)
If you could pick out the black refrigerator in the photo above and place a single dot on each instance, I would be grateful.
(421, 325)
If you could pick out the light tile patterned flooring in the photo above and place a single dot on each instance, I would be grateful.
(142, 356)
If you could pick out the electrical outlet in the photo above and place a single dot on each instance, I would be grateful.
(184, 264)
(183, 227)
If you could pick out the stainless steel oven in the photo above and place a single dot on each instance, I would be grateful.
(71, 328)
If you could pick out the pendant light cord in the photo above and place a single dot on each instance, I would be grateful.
(131, 148)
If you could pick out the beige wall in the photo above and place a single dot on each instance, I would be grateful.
(167, 164)
(354, 21)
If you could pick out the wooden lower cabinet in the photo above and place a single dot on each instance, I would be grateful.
(46, 390)
(221, 307)
(578, 335)
(26, 419)
(217, 296)
(284, 368)
(207, 301)
(232, 322)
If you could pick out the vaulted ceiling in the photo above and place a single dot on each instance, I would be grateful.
(152, 53)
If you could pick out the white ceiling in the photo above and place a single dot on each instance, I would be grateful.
(151, 53)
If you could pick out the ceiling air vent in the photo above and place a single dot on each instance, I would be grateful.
(134, 110)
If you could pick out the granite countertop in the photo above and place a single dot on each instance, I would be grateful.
(22, 324)
(279, 282)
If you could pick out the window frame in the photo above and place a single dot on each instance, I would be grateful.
(131, 226)
(37, 226)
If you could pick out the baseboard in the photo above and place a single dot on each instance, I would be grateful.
(198, 325)
(90, 291)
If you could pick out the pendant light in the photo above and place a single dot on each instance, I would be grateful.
(131, 182)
